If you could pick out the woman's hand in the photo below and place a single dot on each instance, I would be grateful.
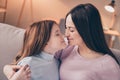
(15, 72)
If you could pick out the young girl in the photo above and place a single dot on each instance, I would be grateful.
(41, 41)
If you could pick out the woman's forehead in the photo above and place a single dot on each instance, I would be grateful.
(69, 21)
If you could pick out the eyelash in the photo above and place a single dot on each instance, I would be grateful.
(71, 30)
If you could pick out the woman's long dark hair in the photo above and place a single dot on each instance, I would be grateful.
(87, 21)
(35, 39)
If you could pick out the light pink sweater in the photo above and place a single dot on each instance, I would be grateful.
(75, 67)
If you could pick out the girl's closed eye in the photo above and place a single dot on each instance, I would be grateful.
(57, 34)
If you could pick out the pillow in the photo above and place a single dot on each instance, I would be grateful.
(11, 40)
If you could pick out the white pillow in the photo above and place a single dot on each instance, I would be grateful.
(11, 40)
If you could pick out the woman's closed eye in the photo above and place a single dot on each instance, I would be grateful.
(71, 30)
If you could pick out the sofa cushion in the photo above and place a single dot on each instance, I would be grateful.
(11, 40)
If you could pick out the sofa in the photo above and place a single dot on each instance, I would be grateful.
(11, 39)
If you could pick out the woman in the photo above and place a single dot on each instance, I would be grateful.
(41, 41)
(90, 58)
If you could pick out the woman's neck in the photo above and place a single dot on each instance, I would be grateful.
(85, 52)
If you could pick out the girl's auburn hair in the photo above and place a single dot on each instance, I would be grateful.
(35, 39)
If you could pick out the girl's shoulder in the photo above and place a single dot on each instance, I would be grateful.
(24, 61)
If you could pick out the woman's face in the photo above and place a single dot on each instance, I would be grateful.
(56, 41)
(71, 33)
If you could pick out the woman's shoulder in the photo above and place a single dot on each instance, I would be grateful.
(112, 60)
(109, 58)
(109, 61)
(110, 67)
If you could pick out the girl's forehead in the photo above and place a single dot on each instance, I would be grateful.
(55, 28)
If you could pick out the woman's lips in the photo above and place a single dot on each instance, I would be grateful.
(69, 39)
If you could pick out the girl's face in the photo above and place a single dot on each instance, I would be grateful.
(71, 33)
(56, 41)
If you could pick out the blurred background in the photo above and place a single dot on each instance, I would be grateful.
(21, 13)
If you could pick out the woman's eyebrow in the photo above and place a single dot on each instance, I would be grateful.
(70, 27)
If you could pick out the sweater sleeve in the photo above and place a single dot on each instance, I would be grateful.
(62, 54)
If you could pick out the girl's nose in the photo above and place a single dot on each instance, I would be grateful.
(62, 36)
(66, 33)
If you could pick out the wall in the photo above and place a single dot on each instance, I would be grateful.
(56, 9)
